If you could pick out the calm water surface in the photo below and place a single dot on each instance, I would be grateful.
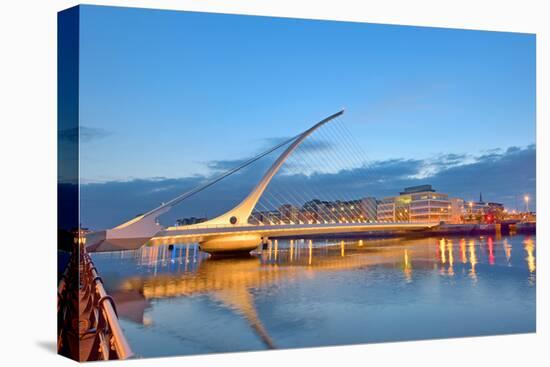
(304, 293)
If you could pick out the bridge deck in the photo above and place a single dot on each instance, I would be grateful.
(198, 232)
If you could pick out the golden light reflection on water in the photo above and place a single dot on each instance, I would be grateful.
(308, 252)
(529, 246)
(407, 266)
(186, 256)
(451, 257)
(310, 248)
(473, 259)
(463, 257)
(184, 271)
(507, 250)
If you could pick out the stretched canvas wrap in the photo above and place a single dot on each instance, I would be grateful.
(240, 183)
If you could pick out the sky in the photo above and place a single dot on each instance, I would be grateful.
(167, 98)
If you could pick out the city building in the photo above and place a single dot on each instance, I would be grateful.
(316, 211)
(265, 217)
(481, 211)
(290, 214)
(368, 207)
(394, 209)
(415, 204)
(457, 211)
(320, 211)
(190, 220)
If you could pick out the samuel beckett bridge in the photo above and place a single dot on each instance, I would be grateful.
(247, 226)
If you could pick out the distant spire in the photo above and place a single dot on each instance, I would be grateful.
(480, 197)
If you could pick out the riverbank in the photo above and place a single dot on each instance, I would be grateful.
(473, 229)
(478, 228)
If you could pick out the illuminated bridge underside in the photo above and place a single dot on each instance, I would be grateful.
(248, 237)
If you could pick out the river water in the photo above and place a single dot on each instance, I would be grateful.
(301, 293)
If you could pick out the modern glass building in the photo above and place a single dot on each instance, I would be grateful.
(415, 204)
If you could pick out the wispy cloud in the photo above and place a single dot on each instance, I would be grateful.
(87, 134)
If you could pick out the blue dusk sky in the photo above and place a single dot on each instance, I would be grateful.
(167, 98)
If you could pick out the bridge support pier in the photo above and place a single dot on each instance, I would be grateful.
(231, 244)
(265, 243)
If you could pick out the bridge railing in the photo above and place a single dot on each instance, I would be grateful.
(110, 342)
(261, 224)
(88, 327)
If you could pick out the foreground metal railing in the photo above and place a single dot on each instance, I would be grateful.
(103, 319)
(88, 326)
(64, 302)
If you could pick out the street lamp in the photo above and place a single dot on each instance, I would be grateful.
(526, 199)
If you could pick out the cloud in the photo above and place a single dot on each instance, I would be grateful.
(87, 134)
(499, 176)
(316, 145)
(502, 175)
(224, 165)
(431, 167)
(312, 144)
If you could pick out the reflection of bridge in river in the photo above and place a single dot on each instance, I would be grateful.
(230, 281)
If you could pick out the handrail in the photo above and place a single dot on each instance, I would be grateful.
(62, 287)
(88, 326)
(107, 323)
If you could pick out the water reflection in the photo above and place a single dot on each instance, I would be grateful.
(529, 245)
(451, 257)
(463, 257)
(407, 266)
(507, 250)
(176, 271)
(473, 259)
(491, 248)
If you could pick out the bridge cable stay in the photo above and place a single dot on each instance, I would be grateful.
(303, 168)
(338, 166)
(292, 194)
(331, 216)
(312, 190)
(361, 156)
(357, 160)
(339, 163)
(273, 200)
(349, 158)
